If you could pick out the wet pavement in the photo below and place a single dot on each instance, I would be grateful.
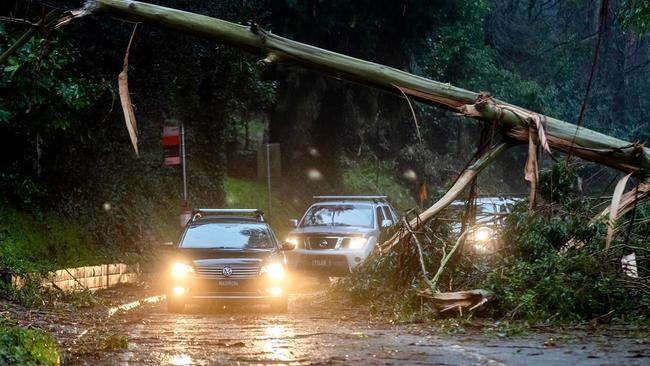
(319, 329)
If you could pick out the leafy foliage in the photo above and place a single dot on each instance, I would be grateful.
(21, 346)
(636, 14)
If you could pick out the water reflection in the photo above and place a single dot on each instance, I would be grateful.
(277, 341)
(179, 360)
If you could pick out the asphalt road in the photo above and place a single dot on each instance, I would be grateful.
(318, 329)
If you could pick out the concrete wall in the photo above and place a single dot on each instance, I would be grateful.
(90, 277)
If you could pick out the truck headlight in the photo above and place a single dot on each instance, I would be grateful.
(275, 271)
(357, 243)
(180, 270)
(293, 240)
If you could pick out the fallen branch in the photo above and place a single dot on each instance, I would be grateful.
(445, 259)
(425, 274)
(463, 181)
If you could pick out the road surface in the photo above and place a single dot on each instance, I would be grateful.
(319, 329)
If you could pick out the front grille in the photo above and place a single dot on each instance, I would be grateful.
(216, 272)
(322, 242)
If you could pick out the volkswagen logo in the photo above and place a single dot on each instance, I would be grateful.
(227, 271)
(323, 243)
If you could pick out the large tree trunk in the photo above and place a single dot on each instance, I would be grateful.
(562, 136)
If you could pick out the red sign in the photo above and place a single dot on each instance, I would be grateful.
(171, 136)
(171, 142)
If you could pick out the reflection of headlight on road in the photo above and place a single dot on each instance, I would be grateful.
(274, 270)
(482, 234)
(357, 243)
(180, 270)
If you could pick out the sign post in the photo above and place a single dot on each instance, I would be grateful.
(174, 154)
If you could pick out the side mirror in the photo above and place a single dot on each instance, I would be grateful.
(293, 223)
(288, 246)
(386, 223)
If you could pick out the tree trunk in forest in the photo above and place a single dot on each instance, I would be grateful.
(589, 145)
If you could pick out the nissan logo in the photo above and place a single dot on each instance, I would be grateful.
(227, 271)
(323, 243)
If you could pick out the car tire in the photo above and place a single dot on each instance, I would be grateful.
(175, 306)
(280, 305)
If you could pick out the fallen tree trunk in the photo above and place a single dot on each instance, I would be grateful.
(589, 145)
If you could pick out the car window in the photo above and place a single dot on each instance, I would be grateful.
(388, 214)
(227, 236)
(339, 215)
(380, 214)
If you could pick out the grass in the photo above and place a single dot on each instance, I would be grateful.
(253, 194)
(21, 346)
(369, 177)
(36, 242)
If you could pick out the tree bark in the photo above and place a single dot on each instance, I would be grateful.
(589, 145)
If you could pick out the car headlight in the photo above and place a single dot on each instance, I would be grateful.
(180, 270)
(274, 270)
(482, 234)
(357, 243)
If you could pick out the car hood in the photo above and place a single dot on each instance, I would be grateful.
(333, 230)
(220, 256)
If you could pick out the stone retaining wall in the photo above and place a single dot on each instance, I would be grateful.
(90, 277)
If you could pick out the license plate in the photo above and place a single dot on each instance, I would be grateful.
(320, 262)
(229, 283)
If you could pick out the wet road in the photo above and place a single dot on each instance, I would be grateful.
(319, 330)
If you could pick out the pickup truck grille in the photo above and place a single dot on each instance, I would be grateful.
(322, 242)
(238, 272)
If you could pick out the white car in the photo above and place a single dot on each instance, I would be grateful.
(337, 233)
(484, 236)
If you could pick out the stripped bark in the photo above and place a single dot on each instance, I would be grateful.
(125, 97)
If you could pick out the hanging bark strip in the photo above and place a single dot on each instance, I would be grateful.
(589, 145)
(125, 97)
(532, 167)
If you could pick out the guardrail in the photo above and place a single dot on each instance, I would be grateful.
(90, 278)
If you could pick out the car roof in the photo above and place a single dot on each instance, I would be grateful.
(343, 202)
(227, 219)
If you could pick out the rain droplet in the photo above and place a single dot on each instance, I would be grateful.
(409, 174)
(313, 151)
(314, 174)
(230, 200)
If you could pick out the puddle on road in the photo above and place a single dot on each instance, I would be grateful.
(179, 360)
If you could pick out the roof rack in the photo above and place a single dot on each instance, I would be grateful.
(350, 198)
(199, 213)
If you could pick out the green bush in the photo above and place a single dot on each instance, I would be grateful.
(20, 346)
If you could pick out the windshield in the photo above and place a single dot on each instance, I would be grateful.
(227, 236)
(339, 215)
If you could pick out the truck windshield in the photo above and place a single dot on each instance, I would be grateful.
(339, 215)
(227, 236)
